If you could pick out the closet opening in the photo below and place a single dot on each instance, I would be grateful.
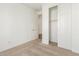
(53, 25)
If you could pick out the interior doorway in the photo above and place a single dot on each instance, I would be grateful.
(40, 26)
(53, 27)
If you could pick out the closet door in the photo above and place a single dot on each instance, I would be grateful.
(64, 26)
(75, 27)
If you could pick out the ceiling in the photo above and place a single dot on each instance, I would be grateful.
(36, 6)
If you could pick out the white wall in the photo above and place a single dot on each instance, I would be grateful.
(64, 26)
(53, 14)
(75, 27)
(45, 24)
(18, 24)
(68, 33)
